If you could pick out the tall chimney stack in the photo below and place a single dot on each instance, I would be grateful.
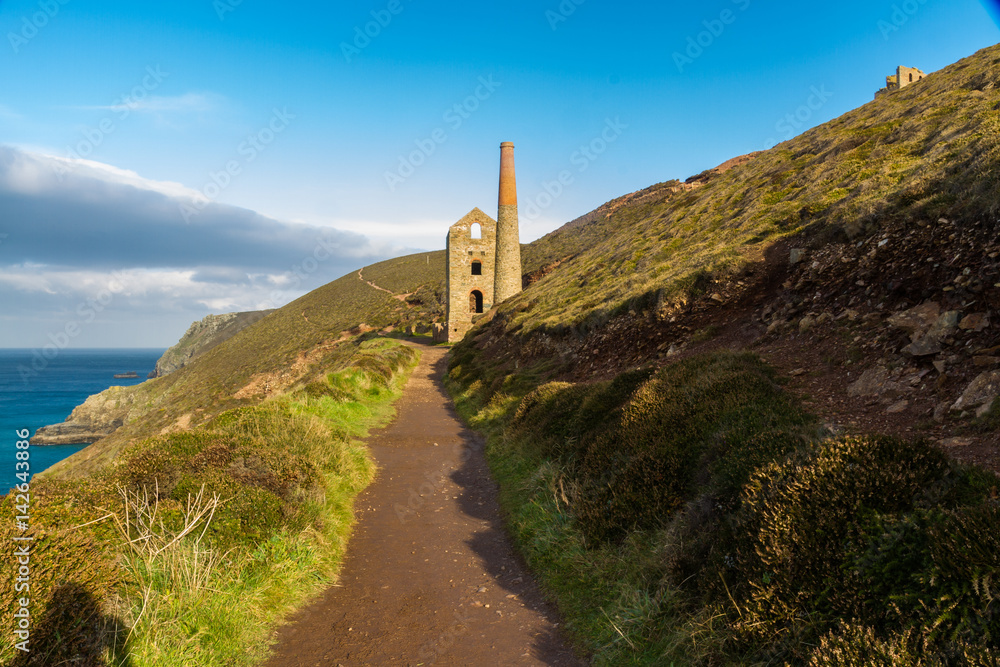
(507, 269)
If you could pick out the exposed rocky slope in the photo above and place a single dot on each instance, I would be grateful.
(96, 418)
(860, 257)
(926, 152)
(202, 336)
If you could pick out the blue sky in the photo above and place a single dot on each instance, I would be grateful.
(166, 161)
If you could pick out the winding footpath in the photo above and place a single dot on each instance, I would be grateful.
(430, 576)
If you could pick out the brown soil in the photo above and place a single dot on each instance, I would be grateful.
(820, 363)
(430, 575)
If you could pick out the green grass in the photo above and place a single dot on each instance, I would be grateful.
(268, 490)
(899, 158)
(694, 515)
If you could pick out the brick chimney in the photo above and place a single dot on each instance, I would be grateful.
(507, 269)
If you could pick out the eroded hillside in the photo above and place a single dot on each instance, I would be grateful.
(809, 253)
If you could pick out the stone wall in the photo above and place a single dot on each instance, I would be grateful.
(463, 250)
(907, 75)
(903, 77)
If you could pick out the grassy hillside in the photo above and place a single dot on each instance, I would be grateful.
(685, 503)
(202, 336)
(926, 151)
(190, 546)
(682, 508)
(286, 348)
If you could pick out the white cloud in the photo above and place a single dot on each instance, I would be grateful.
(73, 235)
(393, 238)
(135, 287)
(19, 279)
(34, 173)
(110, 173)
(186, 103)
(98, 215)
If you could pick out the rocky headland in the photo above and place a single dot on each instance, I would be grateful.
(204, 335)
(96, 418)
(101, 414)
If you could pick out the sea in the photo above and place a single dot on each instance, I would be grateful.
(36, 391)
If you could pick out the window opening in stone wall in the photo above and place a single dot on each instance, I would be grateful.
(477, 268)
(476, 231)
(476, 302)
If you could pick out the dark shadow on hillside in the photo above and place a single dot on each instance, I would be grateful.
(478, 498)
(74, 631)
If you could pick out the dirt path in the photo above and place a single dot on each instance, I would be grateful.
(399, 297)
(430, 575)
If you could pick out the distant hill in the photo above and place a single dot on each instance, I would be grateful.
(202, 336)
(281, 350)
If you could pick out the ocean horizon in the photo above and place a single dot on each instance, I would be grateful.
(38, 390)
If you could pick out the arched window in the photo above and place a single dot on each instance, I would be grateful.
(477, 267)
(476, 231)
(476, 302)
(911, 77)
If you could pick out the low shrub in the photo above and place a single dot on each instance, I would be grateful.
(694, 515)
(859, 646)
(868, 528)
(638, 447)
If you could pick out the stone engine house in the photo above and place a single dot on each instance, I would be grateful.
(484, 255)
(471, 257)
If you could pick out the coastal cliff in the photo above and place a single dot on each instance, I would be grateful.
(202, 336)
(101, 414)
(94, 419)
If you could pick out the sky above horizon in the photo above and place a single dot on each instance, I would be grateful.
(162, 162)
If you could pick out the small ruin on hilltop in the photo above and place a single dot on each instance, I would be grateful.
(903, 77)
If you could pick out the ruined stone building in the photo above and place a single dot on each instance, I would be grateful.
(903, 77)
(484, 255)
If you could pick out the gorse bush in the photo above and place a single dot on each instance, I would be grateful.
(695, 514)
(639, 446)
(866, 529)
(858, 646)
